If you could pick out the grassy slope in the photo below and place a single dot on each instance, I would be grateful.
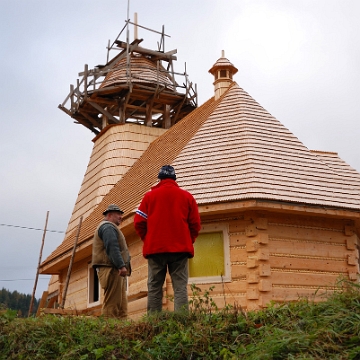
(299, 330)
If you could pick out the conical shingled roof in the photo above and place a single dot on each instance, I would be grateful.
(228, 150)
(141, 70)
(332, 159)
(223, 63)
(243, 152)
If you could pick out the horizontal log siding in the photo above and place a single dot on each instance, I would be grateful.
(77, 296)
(308, 256)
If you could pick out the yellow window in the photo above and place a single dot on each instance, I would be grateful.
(209, 256)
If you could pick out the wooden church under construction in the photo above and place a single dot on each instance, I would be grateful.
(279, 221)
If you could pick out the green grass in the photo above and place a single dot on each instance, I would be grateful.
(297, 330)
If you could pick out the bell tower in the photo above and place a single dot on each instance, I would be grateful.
(127, 103)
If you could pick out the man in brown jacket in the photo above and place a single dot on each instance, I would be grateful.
(111, 259)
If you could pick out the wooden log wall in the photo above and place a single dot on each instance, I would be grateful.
(274, 257)
(137, 293)
(277, 257)
(77, 292)
(286, 257)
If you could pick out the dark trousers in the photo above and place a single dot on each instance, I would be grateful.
(158, 265)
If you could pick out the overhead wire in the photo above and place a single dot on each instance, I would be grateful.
(30, 228)
(40, 278)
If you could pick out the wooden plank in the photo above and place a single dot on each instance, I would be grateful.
(105, 101)
(70, 265)
(136, 247)
(237, 226)
(135, 287)
(308, 264)
(103, 111)
(42, 303)
(306, 233)
(78, 285)
(163, 56)
(137, 296)
(304, 279)
(238, 271)
(138, 305)
(93, 311)
(229, 288)
(92, 120)
(295, 294)
(139, 274)
(308, 248)
(221, 302)
(238, 239)
(52, 302)
(238, 254)
(78, 291)
(78, 302)
(137, 261)
(61, 311)
(311, 221)
(80, 273)
(38, 268)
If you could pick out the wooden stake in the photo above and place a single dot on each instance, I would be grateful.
(38, 268)
(70, 265)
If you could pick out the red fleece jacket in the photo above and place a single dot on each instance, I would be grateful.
(167, 220)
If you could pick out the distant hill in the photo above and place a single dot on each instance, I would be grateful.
(17, 301)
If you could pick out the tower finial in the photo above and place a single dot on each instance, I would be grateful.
(135, 26)
(223, 71)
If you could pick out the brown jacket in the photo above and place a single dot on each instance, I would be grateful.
(99, 255)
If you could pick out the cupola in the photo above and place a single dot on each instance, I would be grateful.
(223, 71)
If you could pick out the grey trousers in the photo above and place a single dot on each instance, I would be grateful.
(158, 265)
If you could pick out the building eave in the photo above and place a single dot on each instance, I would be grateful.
(209, 212)
(276, 206)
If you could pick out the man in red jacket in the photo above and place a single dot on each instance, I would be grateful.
(168, 222)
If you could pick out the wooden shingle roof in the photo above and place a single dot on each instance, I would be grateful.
(128, 192)
(223, 63)
(332, 159)
(243, 152)
(228, 150)
(141, 70)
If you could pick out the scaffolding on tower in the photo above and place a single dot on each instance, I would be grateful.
(137, 85)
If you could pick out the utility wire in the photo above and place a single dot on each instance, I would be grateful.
(40, 278)
(29, 228)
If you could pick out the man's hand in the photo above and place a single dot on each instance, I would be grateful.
(123, 271)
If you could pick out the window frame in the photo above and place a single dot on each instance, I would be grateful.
(90, 293)
(213, 228)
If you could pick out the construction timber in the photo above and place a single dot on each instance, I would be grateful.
(138, 86)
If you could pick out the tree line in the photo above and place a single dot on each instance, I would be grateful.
(17, 301)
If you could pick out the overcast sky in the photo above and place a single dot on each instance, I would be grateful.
(300, 59)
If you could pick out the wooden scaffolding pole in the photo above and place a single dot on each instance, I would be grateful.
(38, 268)
(70, 265)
